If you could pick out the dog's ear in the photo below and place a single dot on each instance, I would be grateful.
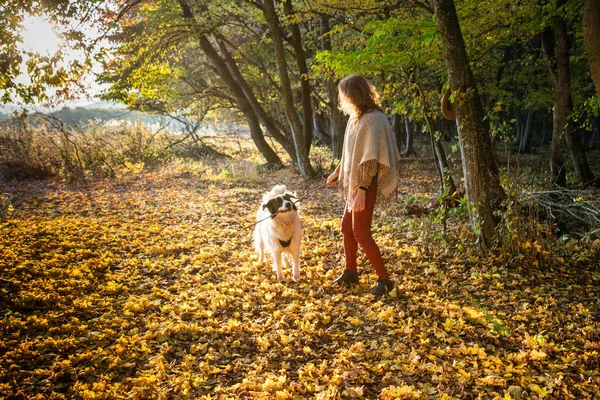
(270, 205)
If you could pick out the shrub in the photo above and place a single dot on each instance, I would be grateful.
(51, 149)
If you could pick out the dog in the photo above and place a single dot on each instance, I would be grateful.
(281, 233)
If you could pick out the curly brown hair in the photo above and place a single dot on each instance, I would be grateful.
(359, 95)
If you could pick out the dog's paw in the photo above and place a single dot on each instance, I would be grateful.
(296, 276)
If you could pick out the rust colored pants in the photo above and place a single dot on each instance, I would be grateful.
(356, 228)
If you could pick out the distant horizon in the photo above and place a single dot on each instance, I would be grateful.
(70, 104)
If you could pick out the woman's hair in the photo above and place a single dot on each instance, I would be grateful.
(357, 96)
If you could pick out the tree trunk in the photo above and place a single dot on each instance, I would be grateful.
(409, 149)
(572, 134)
(243, 103)
(398, 131)
(524, 144)
(591, 37)
(221, 69)
(307, 111)
(239, 96)
(320, 128)
(338, 119)
(266, 120)
(272, 19)
(545, 128)
(257, 136)
(482, 183)
(518, 127)
(595, 137)
(441, 162)
(445, 168)
(560, 70)
(557, 160)
(338, 122)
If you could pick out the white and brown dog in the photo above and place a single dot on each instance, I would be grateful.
(281, 233)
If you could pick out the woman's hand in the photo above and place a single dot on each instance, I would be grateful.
(333, 178)
(359, 201)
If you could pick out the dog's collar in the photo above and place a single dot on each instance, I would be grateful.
(285, 243)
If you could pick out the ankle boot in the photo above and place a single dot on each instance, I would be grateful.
(347, 277)
(383, 286)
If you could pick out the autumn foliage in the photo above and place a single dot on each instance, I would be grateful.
(146, 286)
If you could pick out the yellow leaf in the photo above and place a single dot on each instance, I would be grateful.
(465, 374)
(542, 392)
(537, 355)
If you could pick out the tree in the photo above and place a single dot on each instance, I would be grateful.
(45, 71)
(233, 40)
(557, 54)
(151, 40)
(298, 130)
(338, 120)
(296, 39)
(591, 35)
(482, 183)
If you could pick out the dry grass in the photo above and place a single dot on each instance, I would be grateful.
(145, 285)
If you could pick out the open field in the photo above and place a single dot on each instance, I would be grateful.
(147, 286)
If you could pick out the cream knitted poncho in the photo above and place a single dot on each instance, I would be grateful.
(369, 149)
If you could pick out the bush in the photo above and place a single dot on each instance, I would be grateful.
(23, 154)
(50, 149)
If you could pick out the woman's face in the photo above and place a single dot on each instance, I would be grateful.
(345, 105)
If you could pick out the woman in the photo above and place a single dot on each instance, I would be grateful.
(367, 171)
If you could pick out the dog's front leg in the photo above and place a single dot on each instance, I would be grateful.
(296, 265)
(277, 264)
(260, 249)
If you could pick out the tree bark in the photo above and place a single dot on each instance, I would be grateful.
(272, 19)
(266, 120)
(518, 127)
(243, 103)
(398, 131)
(556, 52)
(482, 183)
(307, 111)
(447, 183)
(245, 107)
(338, 119)
(320, 128)
(237, 94)
(524, 143)
(409, 149)
(591, 37)
(565, 101)
(257, 136)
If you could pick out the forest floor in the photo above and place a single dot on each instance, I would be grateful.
(147, 286)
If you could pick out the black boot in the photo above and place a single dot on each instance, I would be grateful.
(383, 286)
(347, 277)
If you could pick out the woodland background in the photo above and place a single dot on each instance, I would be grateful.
(126, 266)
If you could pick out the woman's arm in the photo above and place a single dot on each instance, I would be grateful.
(367, 172)
(333, 178)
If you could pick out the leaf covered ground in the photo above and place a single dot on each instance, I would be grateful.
(147, 286)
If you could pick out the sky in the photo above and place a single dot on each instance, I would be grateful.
(41, 37)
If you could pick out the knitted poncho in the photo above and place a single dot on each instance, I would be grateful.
(369, 149)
